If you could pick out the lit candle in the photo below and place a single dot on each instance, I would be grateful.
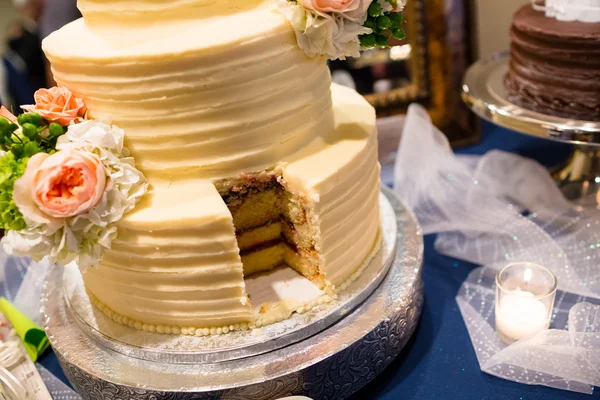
(524, 300)
(520, 315)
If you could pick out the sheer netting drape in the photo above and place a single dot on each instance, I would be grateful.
(501, 208)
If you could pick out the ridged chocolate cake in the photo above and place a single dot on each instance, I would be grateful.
(554, 65)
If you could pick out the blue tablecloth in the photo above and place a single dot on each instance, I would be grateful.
(439, 361)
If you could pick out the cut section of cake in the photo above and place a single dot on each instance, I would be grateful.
(183, 254)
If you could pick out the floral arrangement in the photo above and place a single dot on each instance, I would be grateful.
(65, 181)
(341, 28)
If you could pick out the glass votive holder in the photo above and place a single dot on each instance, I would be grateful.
(525, 295)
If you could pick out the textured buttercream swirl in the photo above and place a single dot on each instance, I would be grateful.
(201, 99)
(140, 12)
(176, 261)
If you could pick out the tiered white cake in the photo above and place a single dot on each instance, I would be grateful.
(222, 112)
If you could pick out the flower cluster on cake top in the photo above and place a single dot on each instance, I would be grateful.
(342, 28)
(65, 181)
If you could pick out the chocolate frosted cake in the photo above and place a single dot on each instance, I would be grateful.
(554, 65)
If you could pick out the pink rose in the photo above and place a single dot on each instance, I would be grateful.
(58, 105)
(354, 10)
(326, 6)
(67, 183)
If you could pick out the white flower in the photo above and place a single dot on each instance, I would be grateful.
(331, 35)
(83, 238)
(385, 5)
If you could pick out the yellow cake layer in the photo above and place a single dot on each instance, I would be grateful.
(263, 260)
(256, 209)
(259, 235)
(268, 258)
(305, 264)
(291, 234)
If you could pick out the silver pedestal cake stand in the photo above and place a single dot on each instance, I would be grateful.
(327, 354)
(484, 93)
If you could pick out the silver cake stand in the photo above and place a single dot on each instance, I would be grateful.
(330, 363)
(483, 92)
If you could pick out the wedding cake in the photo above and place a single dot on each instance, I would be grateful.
(192, 144)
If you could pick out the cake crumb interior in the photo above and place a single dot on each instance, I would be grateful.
(271, 227)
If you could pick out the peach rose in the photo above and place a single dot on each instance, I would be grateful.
(67, 183)
(58, 105)
(326, 6)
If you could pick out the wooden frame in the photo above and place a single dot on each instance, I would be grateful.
(438, 34)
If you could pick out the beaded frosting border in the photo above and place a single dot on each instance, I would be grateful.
(242, 326)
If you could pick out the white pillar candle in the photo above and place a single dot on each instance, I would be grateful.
(520, 315)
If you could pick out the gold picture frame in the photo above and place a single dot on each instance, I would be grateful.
(436, 53)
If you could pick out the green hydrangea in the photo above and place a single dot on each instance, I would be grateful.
(11, 169)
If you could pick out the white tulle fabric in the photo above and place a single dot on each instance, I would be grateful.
(501, 208)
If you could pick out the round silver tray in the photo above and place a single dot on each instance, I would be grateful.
(234, 345)
(483, 91)
(331, 364)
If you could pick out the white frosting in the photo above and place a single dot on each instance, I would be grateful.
(139, 12)
(199, 99)
(202, 100)
(176, 259)
(570, 10)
